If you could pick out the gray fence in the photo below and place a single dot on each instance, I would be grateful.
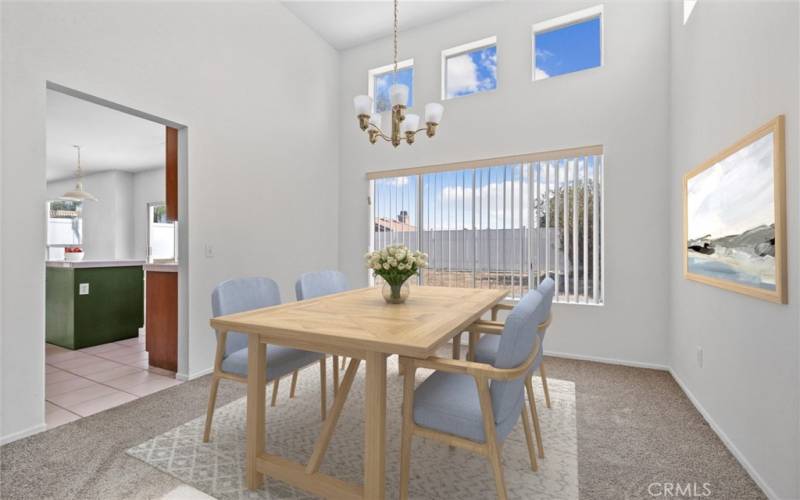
(498, 250)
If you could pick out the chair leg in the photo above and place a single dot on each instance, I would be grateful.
(275, 391)
(474, 337)
(527, 426)
(457, 346)
(294, 385)
(492, 447)
(323, 390)
(535, 417)
(408, 423)
(212, 401)
(543, 373)
(344, 362)
(335, 375)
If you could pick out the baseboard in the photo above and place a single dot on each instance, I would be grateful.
(185, 378)
(610, 361)
(726, 440)
(23, 433)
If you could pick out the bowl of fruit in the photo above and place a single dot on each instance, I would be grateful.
(73, 254)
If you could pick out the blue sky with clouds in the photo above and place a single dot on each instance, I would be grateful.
(472, 72)
(565, 50)
(447, 196)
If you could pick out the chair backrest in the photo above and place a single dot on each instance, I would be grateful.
(311, 285)
(548, 289)
(242, 294)
(518, 340)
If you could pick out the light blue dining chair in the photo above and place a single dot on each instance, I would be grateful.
(244, 294)
(318, 284)
(475, 405)
(486, 349)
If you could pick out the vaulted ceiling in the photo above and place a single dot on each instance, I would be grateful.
(346, 24)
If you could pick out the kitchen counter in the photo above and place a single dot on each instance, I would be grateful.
(162, 267)
(89, 303)
(82, 264)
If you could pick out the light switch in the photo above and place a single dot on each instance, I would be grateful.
(83, 289)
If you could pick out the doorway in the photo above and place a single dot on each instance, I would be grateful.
(101, 248)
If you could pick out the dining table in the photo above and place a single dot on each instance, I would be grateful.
(360, 325)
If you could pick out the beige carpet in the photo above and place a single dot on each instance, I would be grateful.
(635, 427)
(437, 471)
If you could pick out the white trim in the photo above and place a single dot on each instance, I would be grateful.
(562, 22)
(371, 74)
(726, 440)
(457, 51)
(202, 373)
(14, 436)
(610, 361)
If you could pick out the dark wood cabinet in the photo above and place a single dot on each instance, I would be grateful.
(172, 174)
(162, 319)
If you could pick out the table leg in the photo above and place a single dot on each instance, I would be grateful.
(256, 402)
(375, 427)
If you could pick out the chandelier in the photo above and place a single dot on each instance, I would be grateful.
(404, 126)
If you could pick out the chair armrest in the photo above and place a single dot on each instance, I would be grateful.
(496, 327)
(483, 326)
(502, 307)
(477, 370)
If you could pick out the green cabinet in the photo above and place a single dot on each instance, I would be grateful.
(113, 308)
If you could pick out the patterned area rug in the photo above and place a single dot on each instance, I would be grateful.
(217, 467)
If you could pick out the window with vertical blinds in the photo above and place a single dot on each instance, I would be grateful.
(506, 223)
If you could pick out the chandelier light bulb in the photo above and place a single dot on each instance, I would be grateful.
(433, 112)
(363, 105)
(398, 94)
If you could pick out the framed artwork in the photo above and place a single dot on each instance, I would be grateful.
(734, 223)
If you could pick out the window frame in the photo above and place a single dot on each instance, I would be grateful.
(382, 70)
(460, 50)
(565, 21)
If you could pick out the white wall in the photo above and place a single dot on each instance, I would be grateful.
(107, 222)
(734, 67)
(244, 79)
(623, 105)
(148, 187)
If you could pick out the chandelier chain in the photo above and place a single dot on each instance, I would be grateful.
(395, 39)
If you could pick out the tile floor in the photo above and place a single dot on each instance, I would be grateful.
(87, 381)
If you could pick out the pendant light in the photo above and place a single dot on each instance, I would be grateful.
(78, 194)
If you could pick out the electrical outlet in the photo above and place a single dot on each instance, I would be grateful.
(83, 289)
(699, 356)
(209, 250)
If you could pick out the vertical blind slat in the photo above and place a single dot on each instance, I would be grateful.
(585, 219)
(575, 242)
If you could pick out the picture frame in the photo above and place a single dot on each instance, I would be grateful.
(734, 216)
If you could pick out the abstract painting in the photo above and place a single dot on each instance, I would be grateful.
(734, 217)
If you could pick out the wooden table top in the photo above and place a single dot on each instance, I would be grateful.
(360, 321)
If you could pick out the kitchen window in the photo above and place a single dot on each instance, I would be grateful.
(501, 223)
(64, 227)
(161, 234)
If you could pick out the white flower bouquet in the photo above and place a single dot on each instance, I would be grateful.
(395, 264)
